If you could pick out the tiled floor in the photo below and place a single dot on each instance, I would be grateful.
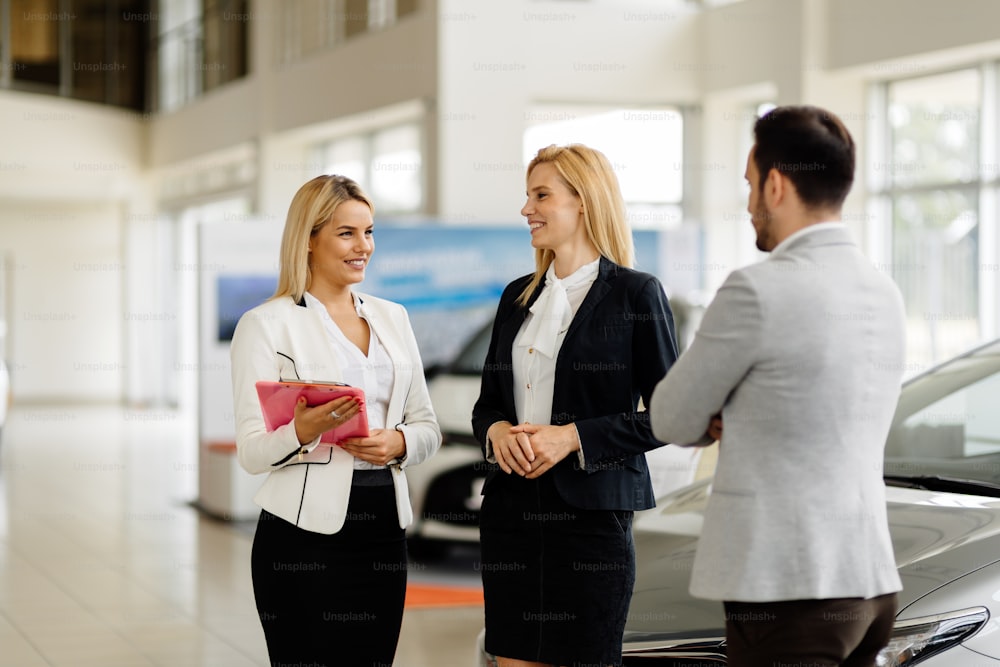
(103, 562)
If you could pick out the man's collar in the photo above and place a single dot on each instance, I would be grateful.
(808, 229)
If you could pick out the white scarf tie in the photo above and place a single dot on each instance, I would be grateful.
(552, 313)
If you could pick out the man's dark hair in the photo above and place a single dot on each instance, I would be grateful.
(811, 147)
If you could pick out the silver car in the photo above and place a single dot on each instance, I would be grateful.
(942, 472)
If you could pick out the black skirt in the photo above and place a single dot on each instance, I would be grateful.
(557, 580)
(333, 599)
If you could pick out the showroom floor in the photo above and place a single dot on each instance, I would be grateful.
(104, 562)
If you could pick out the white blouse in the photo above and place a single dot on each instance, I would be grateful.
(373, 373)
(534, 372)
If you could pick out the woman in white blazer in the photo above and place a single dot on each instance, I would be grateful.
(329, 552)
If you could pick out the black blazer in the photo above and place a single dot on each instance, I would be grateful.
(618, 346)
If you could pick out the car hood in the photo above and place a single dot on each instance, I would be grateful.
(937, 538)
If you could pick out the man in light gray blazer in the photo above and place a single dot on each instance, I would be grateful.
(797, 364)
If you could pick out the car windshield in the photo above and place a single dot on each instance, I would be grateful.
(947, 424)
(472, 357)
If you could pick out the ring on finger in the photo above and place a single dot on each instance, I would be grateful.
(335, 414)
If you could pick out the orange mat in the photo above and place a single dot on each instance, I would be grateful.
(424, 596)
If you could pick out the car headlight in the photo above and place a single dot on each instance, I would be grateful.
(917, 639)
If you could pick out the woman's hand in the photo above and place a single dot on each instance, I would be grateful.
(511, 449)
(381, 446)
(551, 444)
(311, 422)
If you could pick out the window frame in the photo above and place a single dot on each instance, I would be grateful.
(884, 193)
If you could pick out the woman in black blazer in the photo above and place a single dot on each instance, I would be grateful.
(575, 347)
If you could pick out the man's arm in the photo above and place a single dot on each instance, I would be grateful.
(699, 383)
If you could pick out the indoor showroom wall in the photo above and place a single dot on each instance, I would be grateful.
(69, 172)
(65, 316)
(497, 60)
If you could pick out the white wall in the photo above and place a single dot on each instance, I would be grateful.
(59, 149)
(753, 42)
(498, 58)
(65, 311)
(68, 173)
(863, 32)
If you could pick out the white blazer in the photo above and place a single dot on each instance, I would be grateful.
(281, 340)
(803, 354)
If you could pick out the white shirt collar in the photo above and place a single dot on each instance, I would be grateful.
(313, 302)
(553, 311)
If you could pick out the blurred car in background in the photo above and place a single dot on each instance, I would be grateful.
(445, 489)
(942, 472)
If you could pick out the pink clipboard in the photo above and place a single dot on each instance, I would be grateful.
(277, 402)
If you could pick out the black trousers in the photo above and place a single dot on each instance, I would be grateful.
(842, 632)
(333, 600)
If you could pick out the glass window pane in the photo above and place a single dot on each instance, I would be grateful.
(309, 26)
(34, 40)
(643, 145)
(934, 123)
(225, 43)
(131, 38)
(88, 39)
(347, 157)
(404, 7)
(956, 436)
(381, 13)
(355, 17)
(180, 52)
(396, 169)
(935, 263)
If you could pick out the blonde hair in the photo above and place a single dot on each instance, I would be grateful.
(589, 176)
(311, 208)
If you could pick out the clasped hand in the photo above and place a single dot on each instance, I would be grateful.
(530, 450)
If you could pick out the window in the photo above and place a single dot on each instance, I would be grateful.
(947, 423)
(200, 45)
(387, 163)
(348, 157)
(179, 52)
(84, 49)
(34, 40)
(309, 26)
(108, 43)
(381, 13)
(396, 169)
(472, 357)
(644, 146)
(930, 182)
